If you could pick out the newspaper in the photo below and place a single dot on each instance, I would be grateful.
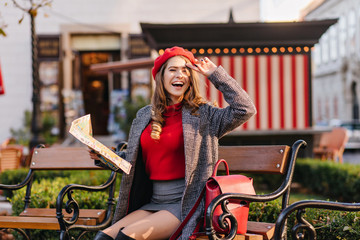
(82, 130)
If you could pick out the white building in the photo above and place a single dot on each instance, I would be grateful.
(90, 31)
(336, 70)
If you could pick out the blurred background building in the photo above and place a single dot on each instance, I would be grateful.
(336, 61)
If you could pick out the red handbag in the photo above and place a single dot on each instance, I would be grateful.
(217, 185)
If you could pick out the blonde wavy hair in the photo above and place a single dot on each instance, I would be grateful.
(191, 98)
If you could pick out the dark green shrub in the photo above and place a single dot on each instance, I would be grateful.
(264, 212)
(22, 135)
(340, 182)
(335, 181)
(131, 107)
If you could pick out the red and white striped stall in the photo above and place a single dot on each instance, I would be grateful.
(278, 85)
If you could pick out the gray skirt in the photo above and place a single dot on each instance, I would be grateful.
(166, 196)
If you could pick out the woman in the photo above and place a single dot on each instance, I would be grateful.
(173, 147)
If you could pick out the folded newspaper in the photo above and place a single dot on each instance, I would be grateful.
(81, 129)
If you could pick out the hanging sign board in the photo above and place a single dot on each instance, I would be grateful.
(138, 47)
(48, 47)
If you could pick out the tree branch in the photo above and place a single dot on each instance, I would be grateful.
(19, 6)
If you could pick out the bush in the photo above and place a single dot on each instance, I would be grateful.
(336, 181)
(340, 182)
(124, 115)
(48, 123)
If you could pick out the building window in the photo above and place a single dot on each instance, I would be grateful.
(342, 36)
(325, 47)
(333, 43)
(317, 54)
(352, 30)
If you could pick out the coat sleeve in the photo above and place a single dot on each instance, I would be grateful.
(240, 109)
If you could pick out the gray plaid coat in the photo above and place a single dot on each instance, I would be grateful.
(201, 135)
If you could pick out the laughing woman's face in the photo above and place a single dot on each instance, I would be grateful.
(176, 78)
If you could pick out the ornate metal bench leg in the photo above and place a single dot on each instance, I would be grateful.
(64, 235)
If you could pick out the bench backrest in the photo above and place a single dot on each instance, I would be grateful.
(62, 158)
(256, 159)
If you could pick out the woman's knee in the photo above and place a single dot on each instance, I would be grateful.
(159, 225)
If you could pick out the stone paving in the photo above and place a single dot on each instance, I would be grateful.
(5, 206)
(352, 157)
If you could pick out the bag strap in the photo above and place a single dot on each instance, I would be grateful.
(176, 234)
(217, 165)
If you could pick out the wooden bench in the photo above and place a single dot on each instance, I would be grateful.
(59, 158)
(273, 159)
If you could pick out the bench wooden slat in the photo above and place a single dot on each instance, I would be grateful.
(29, 222)
(62, 159)
(269, 159)
(85, 214)
(261, 228)
(248, 236)
(255, 231)
(44, 223)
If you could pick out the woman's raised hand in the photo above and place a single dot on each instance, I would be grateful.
(204, 66)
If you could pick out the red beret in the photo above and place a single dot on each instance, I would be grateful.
(168, 53)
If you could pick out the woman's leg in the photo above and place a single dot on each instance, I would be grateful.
(135, 216)
(157, 225)
(142, 224)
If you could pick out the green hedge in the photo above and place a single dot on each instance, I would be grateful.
(336, 181)
(339, 182)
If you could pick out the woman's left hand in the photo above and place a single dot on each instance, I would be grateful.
(93, 154)
(204, 66)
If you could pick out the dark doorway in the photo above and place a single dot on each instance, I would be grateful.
(95, 89)
(96, 100)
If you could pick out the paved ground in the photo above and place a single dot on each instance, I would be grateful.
(5, 206)
(352, 157)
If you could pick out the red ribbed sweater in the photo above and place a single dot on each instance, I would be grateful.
(165, 158)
